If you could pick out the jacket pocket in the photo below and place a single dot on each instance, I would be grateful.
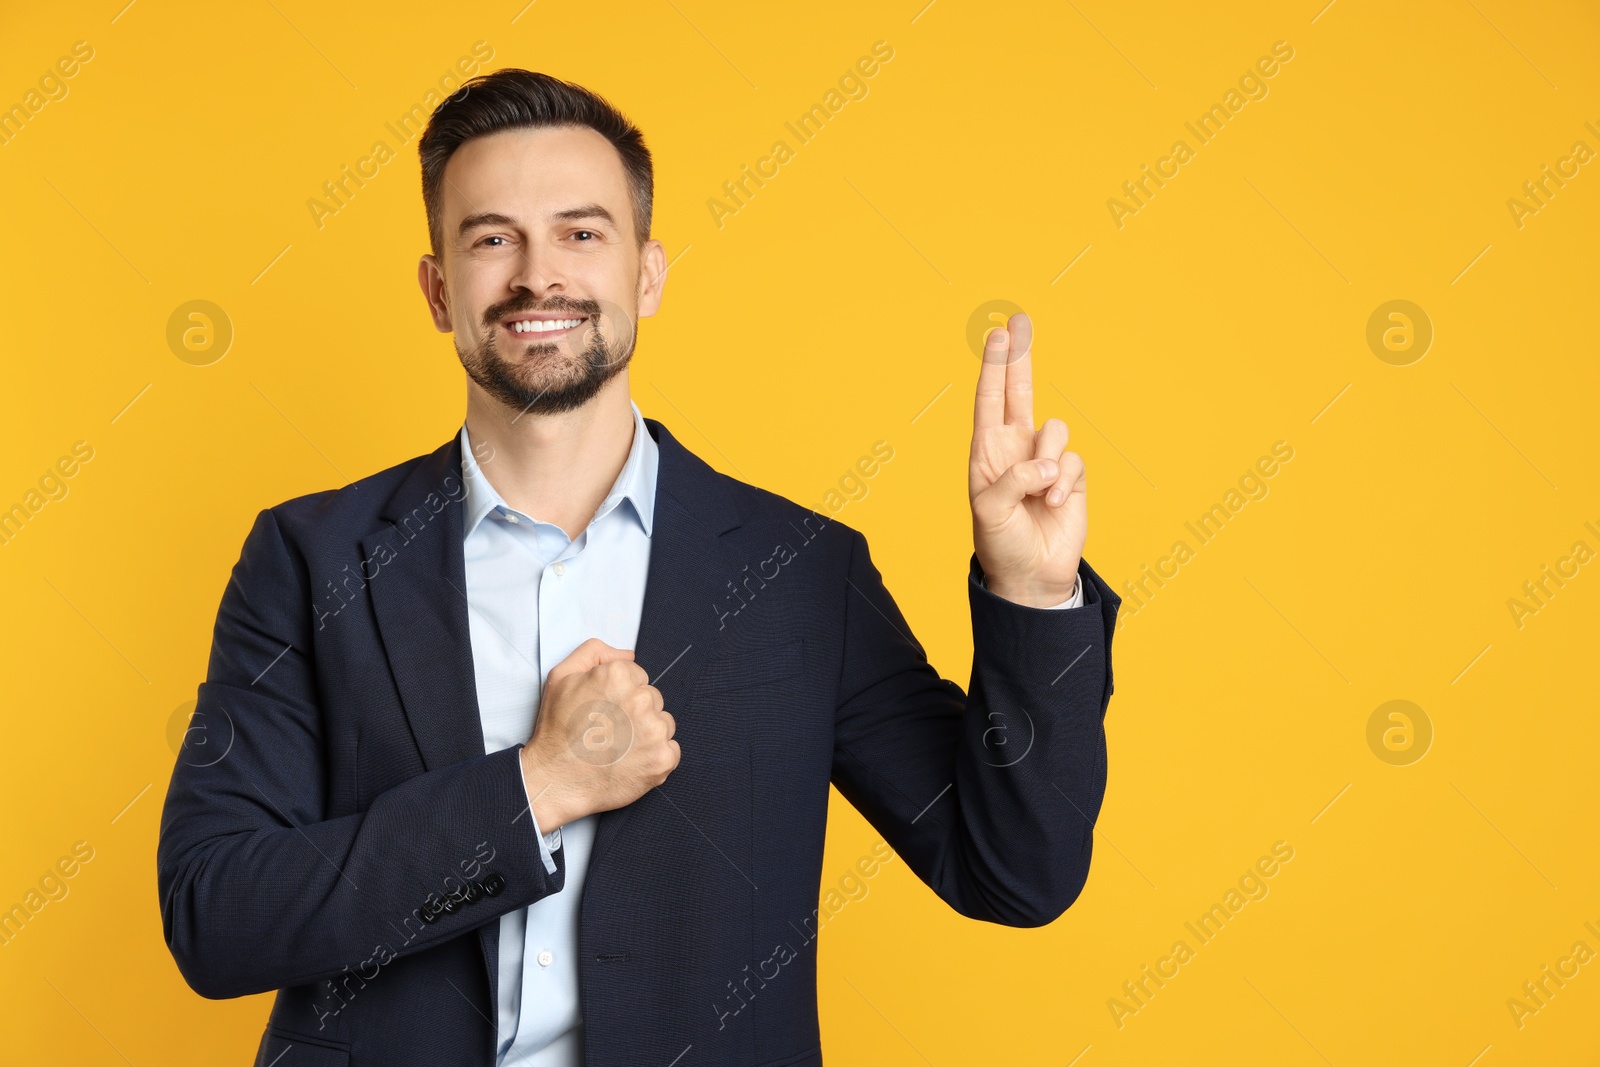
(752, 665)
(810, 1056)
(282, 1049)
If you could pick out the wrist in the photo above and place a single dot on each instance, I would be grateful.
(546, 798)
(1033, 596)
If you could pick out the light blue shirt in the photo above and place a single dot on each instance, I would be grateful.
(533, 596)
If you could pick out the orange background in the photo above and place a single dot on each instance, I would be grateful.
(832, 311)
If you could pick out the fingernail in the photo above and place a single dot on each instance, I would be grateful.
(1047, 467)
(997, 338)
(1055, 497)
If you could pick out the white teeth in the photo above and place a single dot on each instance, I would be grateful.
(538, 326)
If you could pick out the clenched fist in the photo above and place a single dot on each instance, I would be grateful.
(601, 740)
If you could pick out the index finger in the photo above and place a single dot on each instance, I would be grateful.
(587, 656)
(990, 408)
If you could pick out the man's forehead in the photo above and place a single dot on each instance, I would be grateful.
(546, 170)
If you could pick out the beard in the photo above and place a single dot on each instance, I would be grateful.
(547, 377)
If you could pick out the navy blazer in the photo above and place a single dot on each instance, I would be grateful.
(334, 830)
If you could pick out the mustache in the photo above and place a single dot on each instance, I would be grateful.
(576, 308)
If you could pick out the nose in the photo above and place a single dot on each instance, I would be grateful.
(538, 272)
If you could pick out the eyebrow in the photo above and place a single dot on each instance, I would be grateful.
(571, 214)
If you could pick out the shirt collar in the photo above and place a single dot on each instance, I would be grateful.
(636, 483)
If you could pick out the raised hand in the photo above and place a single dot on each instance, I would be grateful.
(1029, 496)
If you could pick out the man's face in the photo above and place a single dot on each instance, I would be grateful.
(542, 280)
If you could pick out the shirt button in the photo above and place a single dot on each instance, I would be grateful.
(512, 518)
(545, 958)
(560, 569)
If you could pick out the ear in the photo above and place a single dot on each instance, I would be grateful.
(430, 276)
(652, 277)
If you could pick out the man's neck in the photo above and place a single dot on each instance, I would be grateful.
(555, 468)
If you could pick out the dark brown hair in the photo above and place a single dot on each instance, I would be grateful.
(513, 98)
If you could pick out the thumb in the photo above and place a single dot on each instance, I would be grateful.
(588, 656)
(1025, 478)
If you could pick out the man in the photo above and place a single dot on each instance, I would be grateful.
(373, 820)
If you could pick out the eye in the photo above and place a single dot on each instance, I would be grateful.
(492, 237)
(591, 233)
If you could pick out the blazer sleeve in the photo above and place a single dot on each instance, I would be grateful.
(260, 889)
(990, 796)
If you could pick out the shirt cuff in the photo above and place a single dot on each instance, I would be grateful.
(548, 843)
(1073, 601)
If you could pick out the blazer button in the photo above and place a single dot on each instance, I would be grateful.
(493, 884)
(473, 892)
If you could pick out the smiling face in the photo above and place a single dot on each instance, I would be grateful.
(541, 278)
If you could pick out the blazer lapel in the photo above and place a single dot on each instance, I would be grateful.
(419, 597)
(689, 569)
